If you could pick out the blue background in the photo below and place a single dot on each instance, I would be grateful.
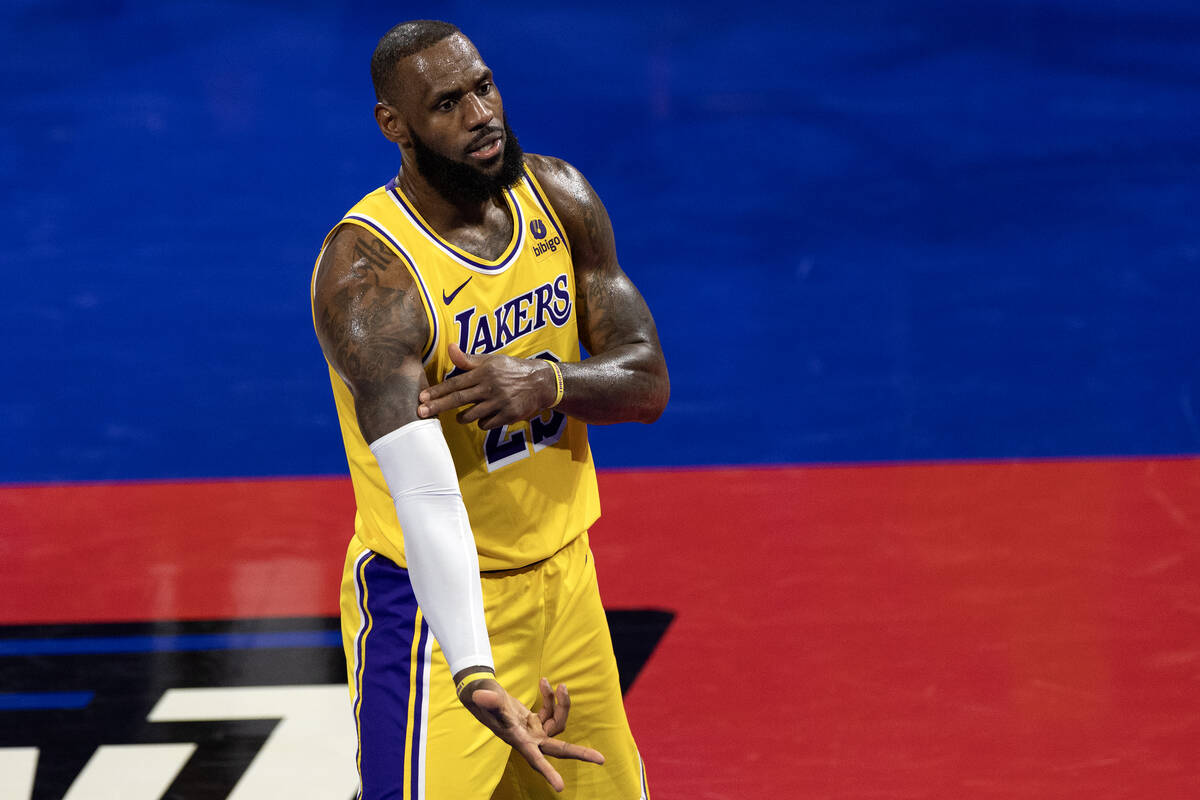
(868, 230)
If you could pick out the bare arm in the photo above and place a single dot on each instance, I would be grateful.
(372, 328)
(626, 377)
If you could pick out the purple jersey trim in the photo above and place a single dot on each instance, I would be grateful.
(545, 204)
(433, 313)
(467, 259)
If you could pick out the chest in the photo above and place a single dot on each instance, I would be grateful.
(517, 303)
(488, 240)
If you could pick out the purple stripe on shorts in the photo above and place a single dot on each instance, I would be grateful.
(386, 667)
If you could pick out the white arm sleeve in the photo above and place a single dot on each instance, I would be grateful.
(443, 563)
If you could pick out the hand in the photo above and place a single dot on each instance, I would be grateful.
(528, 733)
(498, 389)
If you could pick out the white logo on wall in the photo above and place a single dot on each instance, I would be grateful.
(310, 753)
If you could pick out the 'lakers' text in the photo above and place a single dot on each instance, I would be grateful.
(484, 332)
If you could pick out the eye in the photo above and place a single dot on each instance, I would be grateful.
(485, 88)
(445, 105)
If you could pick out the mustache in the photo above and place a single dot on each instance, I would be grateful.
(483, 135)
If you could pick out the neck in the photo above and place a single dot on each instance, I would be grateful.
(438, 210)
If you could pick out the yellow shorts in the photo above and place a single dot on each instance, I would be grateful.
(415, 739)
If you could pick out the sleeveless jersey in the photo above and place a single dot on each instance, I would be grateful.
(529, 488)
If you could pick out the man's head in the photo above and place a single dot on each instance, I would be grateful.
(436, 100)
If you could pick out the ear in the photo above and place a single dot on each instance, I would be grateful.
(391, 125)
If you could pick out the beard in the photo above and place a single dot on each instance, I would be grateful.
(466, 184)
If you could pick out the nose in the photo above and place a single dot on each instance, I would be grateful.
(478, 112)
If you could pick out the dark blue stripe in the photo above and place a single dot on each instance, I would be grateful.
(537, 195)
(417, 708)
(519, 221)
(387, 667)
(168, 643)
(24, 701)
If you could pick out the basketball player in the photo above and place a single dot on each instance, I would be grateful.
(450, 305)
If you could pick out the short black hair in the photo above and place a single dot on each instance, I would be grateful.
(400, 42)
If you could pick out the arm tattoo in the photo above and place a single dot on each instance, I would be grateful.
(599, 321)
(611, 311)
(370, 259)
(373, 329)
(626, 376)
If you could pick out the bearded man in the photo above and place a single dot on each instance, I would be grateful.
(450, 305)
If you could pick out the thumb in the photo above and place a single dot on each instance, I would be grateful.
(487, 699)
(461, 359)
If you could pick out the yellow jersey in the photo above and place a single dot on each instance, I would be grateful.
(530, 487)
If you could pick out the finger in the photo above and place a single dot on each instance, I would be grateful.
(481, 408)
(538, 761)
(455, 399)
(489, 413)
(462, 360)
(489, 420)
(487, 699)
(561, 749)
(561, 707)
(459, 381)
(546, 713)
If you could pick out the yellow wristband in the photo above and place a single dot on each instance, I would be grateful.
(472, 676)
(558, 382)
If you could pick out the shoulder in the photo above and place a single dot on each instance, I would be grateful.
(360, 278)
(564, 185)
(549, 169)
(575, 202)
(367, 310)
(355, 255)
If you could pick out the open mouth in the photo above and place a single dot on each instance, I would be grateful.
(489, 149)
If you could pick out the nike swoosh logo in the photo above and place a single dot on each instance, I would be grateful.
(450, 299)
